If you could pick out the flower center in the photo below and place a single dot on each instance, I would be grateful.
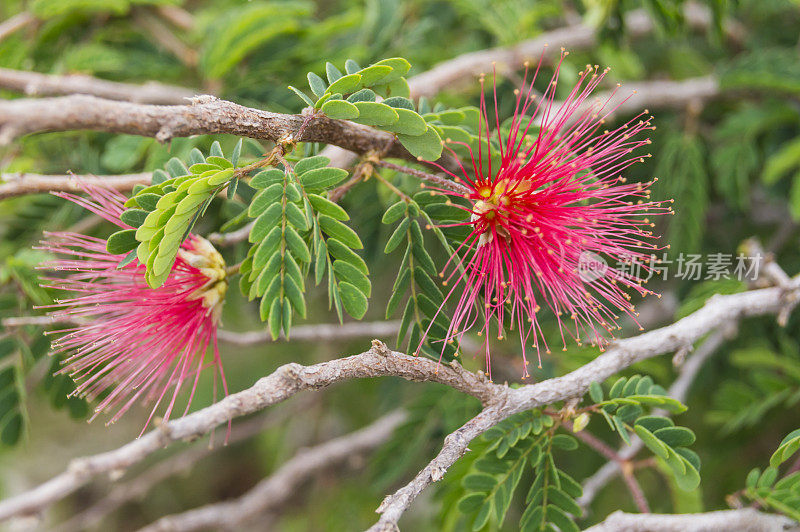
(203, 256)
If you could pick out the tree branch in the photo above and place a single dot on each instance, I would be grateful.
(744, 520)
(36, 84)
(285, 382)
(317, 332)
(204, 115)
(17, 22)
(278, 487)
(718, 310)
(18, 184)
(501, 401)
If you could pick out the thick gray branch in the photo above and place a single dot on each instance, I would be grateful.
(717, 311)
(501, 401)
(744, 520)
(205, 115)
(280, 486)
(36, 84)
(285, 382)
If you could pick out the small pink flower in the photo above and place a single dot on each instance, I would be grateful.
(133, 343)
(547, 215)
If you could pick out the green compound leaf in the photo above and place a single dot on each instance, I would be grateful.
(296, 230)
(164, 212)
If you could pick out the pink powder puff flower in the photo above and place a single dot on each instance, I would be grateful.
(548, 216)
(133, 343)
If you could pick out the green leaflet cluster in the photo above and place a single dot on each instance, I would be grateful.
(624, 410)
(163, 213)
(523, 442)
(421, 313)
(296, 228)
(768, 491)
(354, 94)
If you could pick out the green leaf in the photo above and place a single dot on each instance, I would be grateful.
(374, 74)
(394, 212)
(752, 477)
(375, 114)
(340, 110)
(353, 275)
(317, 84)
(122, 242)
(302, 96)
(325, 206)
(408, 123)
(397, 236)
(297, 245)
(237, 151)
(133, 217)
(427, 147)
(345, 84)
(295, 216)
(470, 502)
(332, 72)
(558, 517)
(675, 436)
(354, 302)
(400, 68)
(322, 178)
(340, 231)
(654, 444)
(484, 514)
(364, 95)
(275, 318)
(596, 392)
(342, 252)
(789, 446)
(399, 102)
(654, 423)
(267, 178)
(351, 66)
(148, 201)
(310, 163)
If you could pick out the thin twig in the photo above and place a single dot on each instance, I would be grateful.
(425, 176)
